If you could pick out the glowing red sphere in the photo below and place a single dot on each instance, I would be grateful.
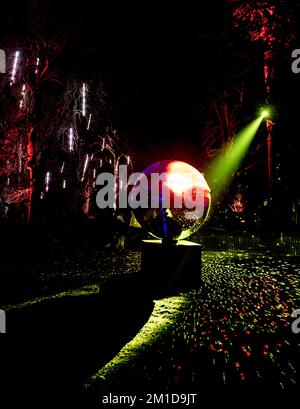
(188, 205)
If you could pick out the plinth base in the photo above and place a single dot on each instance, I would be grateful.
(171, 268)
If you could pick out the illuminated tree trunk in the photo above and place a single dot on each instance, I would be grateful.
(264, 21)
(268, 39)
(30, 154)
(269, 125)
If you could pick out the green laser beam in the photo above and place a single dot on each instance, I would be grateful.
(224, 166)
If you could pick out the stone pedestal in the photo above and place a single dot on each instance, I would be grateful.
(169, 269)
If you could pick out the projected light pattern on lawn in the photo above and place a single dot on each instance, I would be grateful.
(236, 330)
(162, 318)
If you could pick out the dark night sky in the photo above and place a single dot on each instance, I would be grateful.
(156, 63)
(153, 56)
(161, 62)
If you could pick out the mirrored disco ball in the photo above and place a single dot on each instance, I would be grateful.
(189, 200)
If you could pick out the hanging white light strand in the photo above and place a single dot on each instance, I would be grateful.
(71, 140)
(83, 99)
(15, 66)
(37, 63)
(64, 184)
(85, 166)
(89, 122)
(94, 177)
(47, 181)
(22, 100)
(62, 167)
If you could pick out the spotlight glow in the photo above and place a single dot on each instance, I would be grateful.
(265, 113)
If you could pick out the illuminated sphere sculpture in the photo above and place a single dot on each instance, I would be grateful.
(172, 223)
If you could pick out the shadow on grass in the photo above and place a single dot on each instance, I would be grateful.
(53, 346)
